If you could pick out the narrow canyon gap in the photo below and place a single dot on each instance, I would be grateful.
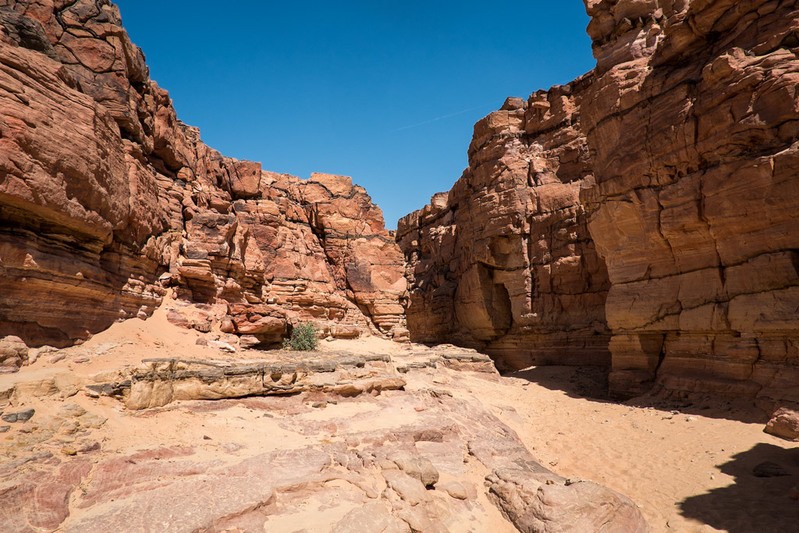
(643, 215)
(642, 218)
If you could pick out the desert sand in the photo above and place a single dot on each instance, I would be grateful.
(686, 463)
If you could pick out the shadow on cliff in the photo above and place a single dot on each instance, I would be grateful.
(751, 504)
(58, 288)
(591, 383)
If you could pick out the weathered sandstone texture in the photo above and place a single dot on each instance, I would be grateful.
(504, 262)
(158, 382)
(13, 354)
(693, 123)
(784, 423)
(676, 162)
(427, 457)
(106, 199)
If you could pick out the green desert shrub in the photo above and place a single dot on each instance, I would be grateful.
(303, 338)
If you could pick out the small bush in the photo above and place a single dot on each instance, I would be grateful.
(303, 338)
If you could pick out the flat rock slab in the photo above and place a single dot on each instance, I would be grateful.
(19, 416)
(421, 459)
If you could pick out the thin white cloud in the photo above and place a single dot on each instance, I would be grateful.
(443, 117)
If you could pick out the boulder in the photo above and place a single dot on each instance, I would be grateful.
(784, 423)
(13, 353)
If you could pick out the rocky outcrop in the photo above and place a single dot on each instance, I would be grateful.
(313, 250)
(504, 262)
(428, 457)
(159, 382)
(106, 199)
(693, 123)
(654, 198)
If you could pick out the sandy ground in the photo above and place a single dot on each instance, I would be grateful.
(688, 466)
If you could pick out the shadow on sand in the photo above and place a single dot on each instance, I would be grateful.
(591, 383)
(752, 504)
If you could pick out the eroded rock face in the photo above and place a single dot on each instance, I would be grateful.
(675, 161)
(106, 199)
(504, 261)
(693, 124)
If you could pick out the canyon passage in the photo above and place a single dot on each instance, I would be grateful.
(589, 332)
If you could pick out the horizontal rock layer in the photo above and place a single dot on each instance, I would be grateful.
(429, 458)
(106, 199)
(654, 199)
(161, 381)
(158, 382)
(504, 262)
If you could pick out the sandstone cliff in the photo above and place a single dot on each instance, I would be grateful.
(693, 123)
(504, 261)
(675, 161)
(106, 198)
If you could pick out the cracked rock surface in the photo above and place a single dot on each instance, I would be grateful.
(641, 217)
(337, 441)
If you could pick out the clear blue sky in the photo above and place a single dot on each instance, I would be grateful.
(385, 92)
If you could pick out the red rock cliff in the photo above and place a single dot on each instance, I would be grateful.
(676, 160)
(106, 198)
(504, 262)
(693, 125)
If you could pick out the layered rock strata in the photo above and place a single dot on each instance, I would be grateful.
(655, 198)
(504, 261)
(159, 382)
(106, 199)
(693, 123)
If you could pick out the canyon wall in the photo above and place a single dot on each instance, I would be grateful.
(504, 262)
(107, 199)
(693, 126)
(674, 161)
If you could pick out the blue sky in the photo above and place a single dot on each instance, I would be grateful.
(385, 92)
